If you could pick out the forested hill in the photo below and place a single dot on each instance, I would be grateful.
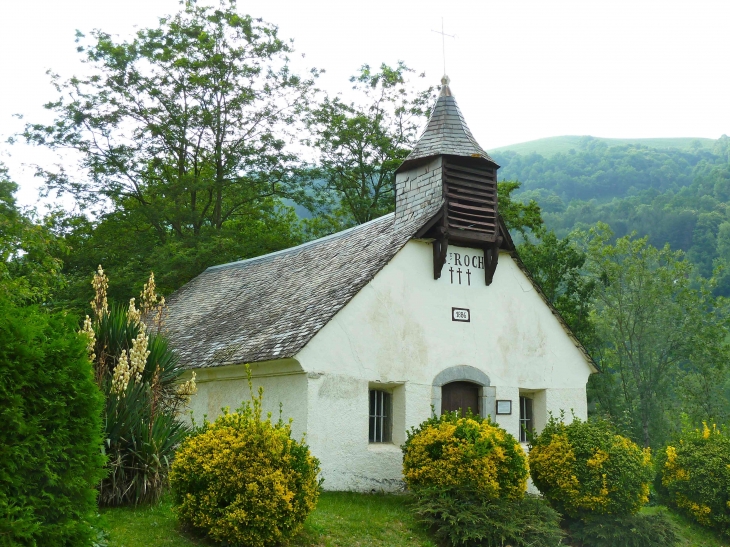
(554, 145)
(676, 191)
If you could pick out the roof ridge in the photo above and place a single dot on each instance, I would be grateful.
(306, 244)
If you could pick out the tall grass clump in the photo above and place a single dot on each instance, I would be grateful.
(139, 375)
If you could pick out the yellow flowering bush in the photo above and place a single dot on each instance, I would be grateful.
(242, 480)
(465, 452)
(586, 468)
(694, 476)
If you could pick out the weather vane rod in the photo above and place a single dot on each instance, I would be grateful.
(443, 41)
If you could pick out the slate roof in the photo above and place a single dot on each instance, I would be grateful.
(269, 307)
(446, 132)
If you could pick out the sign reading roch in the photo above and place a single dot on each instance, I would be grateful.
(463, 267)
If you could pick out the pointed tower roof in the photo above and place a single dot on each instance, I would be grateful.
(446, 132)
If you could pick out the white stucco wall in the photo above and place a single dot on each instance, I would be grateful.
(283, 381)
(399, 331)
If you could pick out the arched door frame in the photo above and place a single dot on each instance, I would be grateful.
(464, 373)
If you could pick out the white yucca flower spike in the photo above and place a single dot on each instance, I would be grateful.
(138, 356)
(100, 284)
(148, 297)
(122, 374)
(133, 314)
(188, 388)
(88, 331)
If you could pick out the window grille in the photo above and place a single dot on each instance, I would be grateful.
(525, 418)
(380, 416)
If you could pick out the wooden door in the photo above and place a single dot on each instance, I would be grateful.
(460, 396)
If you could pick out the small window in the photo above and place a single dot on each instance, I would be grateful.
(526, 422)
(380, 416)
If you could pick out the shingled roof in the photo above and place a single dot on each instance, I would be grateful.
(446, 132)
(269, 307)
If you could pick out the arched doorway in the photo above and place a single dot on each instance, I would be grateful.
(466, 383)
(460, 396)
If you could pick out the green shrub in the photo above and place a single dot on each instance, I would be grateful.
(469, 452)
(625, 530)
(50, 432)
(140, 378)
(464, 518)
(695, 477)
(242, 480)
(586, 468)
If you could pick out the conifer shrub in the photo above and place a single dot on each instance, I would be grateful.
(462, 518)
(243, 480)
(694, 477)
(586, 468)
(638, 530)
(466, 452)
(50, 430)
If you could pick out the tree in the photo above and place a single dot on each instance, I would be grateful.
(130, 248)
(29, 272)
(362, 144)
(182, 130)
(525, 218)
(655, 328)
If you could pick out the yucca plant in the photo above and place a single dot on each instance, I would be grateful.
(140, 376)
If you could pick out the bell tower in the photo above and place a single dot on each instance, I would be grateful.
(451, 180)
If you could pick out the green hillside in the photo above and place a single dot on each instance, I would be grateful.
(555, 145)
(679, 196)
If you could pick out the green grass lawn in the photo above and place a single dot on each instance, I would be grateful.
(341, 519)
(691, 534)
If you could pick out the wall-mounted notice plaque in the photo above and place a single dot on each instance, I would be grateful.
(504, 407)
(460, 314)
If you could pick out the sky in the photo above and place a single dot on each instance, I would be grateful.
(520, 69)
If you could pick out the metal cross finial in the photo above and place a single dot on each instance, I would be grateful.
(443, 41)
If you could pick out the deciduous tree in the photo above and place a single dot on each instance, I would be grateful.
(29, 272)
(180, 132)
(361, 143)
(660, 335)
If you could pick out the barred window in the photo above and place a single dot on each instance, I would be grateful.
(525, 418)
(380, 416)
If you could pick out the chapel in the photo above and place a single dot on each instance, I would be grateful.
(363, 334)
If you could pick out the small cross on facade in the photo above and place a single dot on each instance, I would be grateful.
(443, 41)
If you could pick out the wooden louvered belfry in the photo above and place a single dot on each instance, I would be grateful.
(463, 180)
(470, 192)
